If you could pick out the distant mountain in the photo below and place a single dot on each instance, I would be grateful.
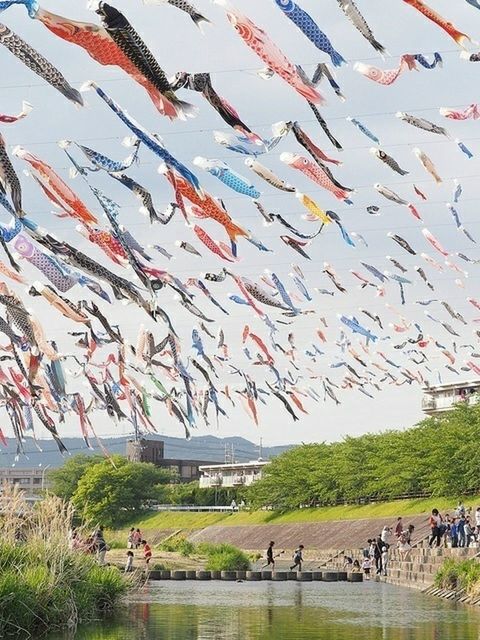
(208, 448)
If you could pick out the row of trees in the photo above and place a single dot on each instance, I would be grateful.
(117, 491)
(440, 456)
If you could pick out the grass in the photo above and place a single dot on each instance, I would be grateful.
(461, 575)
(190, 521)
(218, 557)
(43, 584)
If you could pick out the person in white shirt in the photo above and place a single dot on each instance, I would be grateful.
(384, 560)
(129, 562)
(385, 535)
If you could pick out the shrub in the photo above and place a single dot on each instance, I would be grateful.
(459, 574)
(178, 544)
(44, 584)
(224, 557)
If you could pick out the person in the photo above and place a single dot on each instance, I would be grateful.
(477, 520)
(435, 522)
(366, 550)
(377, 554)
(101, 545)
(137, 538)
(298, 558)
(366, 566)
(233, 506)
(469, 536)
(385, 535)
(460, 510)
(270, 556)
(356, 567)
(453, 533)
(130, 538)
(129, 562)
(147, 552)
(347, 562)
(409, 532)
(384, 560)
(399, 527)
(242, 505)
(461, 531)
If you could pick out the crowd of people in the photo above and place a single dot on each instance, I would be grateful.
(95, 544)
(460, 530)
(376, 554)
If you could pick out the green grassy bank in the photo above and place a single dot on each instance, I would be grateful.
(176, 521)
(43, 584)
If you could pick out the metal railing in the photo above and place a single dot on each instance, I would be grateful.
(192, 507)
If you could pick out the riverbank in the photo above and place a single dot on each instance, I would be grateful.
(170, 522)
(43, 584)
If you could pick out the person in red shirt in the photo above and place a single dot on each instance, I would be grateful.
(147, 552)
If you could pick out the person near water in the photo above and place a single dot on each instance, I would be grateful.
(435, 523)
(356, 567)
(129, 562)
(366, 566)
(384, 560)
(270, 556)
(147, 552)
(347, 562)
(298, 558)
(137, 538)
(131, 534)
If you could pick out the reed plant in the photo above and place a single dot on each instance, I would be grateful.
(45, 585)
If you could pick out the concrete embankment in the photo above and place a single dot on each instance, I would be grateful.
(319, 538)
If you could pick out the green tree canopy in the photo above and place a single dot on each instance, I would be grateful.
(64, 480)
(114, 491)
(440, 456)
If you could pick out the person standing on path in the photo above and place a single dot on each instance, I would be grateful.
(130, 538)
(270, 556)
(298, 558)
(435, 523)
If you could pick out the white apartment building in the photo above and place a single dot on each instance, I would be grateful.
(443, 397)
(231, 474)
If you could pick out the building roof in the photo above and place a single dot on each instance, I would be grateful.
(235, 466)
(451, 385)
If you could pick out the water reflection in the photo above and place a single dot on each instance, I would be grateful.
(289, 611)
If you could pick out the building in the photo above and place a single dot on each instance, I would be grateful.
(153, 451)
(31, 481)
(443, 397)
(236, 474)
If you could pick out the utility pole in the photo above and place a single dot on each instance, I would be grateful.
(260, 449)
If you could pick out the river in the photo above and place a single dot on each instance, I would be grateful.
(283, 611)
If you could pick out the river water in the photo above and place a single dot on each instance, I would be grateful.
(283, 611)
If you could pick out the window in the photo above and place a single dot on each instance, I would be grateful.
(37, 481)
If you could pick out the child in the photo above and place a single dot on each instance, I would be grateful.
(147, 552)
(366, 566)
(270, 556)
(129, 563)
(384, 560)
(297, 558)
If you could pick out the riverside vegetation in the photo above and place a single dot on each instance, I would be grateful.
(43, 584)
(219, 557)
(459, 575)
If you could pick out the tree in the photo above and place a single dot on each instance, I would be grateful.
(115, 491)
(438, 457)
(64, 480)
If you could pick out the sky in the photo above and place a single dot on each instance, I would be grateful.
(179, 46)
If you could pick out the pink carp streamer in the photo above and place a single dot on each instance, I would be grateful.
(268, 51)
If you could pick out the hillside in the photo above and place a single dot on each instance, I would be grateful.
(198, 448)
